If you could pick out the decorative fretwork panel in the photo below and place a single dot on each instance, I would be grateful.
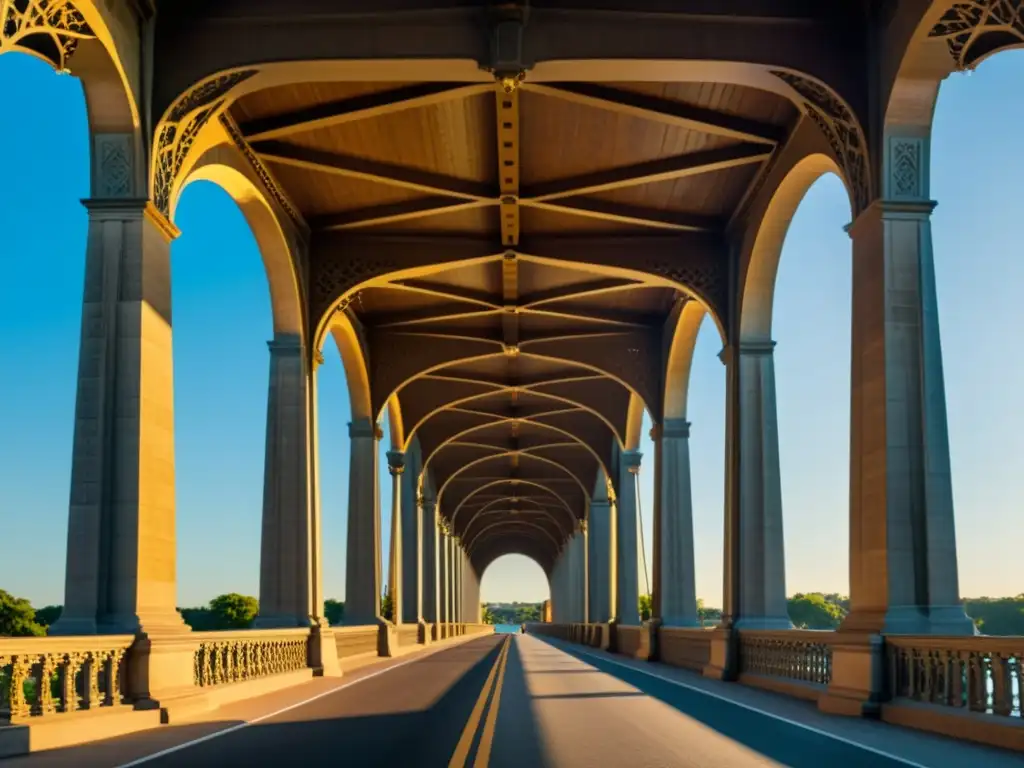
(975, 28)
(792, 654)
(51, 28)
(177, 132)
(46, 682)
(841, 128)
(235, 659)
(976, 674)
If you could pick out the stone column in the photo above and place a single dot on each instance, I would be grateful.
(903, 564)
(446, 576)
(412, 545)
(627, 607)
(584, 557)
(601, 559)
(121, 556)
(457, 579)
(429, 562)
(678, 589)
(762, 567)
(396, 467)
(289, 587)
(362, 563)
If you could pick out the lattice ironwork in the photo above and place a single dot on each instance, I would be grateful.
(976, 28)
(52, 29)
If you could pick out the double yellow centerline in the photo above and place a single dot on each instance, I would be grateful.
(493, 683)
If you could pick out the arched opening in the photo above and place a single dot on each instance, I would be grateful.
(513, 589)
(222, 322)
(796, 293)
(811, 324)
(978, 180)
(45, 128)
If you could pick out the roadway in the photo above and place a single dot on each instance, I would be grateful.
(501, 700)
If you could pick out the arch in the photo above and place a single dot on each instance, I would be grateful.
(221, 166)
(927, 44)
(396, 426)
(349, 344)
(502, 454)
(758, 290)
(634, 423)
(680, 359)
(479, 536)
(563, 504)
(514, 544)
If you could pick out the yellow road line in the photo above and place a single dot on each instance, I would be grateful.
(483, 752)
(466, 741)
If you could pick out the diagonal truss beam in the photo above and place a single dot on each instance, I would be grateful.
(650, 172)
(393, 213)
(628, 214)
(666, 111)
(359, 108)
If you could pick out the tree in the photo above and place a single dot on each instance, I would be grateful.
(645, 607)
(814, 611)
(234, 611)
(17, 617)
(997, 615)
(386, 608)
(487, 616)
(334, 611)
(48, 615)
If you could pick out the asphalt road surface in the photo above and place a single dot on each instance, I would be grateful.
(508, 701)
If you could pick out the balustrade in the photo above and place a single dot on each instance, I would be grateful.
(794, 654)
(57, 676)
(232, 657)
(978, 674)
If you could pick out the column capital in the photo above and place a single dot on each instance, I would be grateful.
(443, 526)
(891, 209)
(631, 461)
(581, 526)
(426, 502)
(131, 208)
(318, 358)
(362, 428)
(285, 344)
(675, 428)
(396, 462)
(757, 348)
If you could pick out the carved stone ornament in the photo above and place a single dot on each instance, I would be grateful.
(177, 132)
(841, 128)
(337, 275)
(262, 172)
(906, 168)
(1000, 22)
(51, 28)
(113, 166)
(707, 278)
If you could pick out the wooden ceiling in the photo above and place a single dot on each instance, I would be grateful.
(515, 424)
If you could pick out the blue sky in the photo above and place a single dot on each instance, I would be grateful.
(222, 322)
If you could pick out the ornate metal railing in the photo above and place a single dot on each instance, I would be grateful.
(795, 654)
(42, 676)
(232, 657)
(979, 674)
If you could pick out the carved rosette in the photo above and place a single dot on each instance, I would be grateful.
(1000, 22)
(50, 28)
(177, 132)
(841, 128)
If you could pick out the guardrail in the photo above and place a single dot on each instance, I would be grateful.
(977, 674)
(801, 655)
(247, 654)
(43, 676)
(687, 648)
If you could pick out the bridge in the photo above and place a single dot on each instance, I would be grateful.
(511, 219)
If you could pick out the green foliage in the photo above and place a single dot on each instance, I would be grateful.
(486, 616)
(17, 617)
(230, 611)
(334, 611)
(512, 613)
(815, 611)
(386, 607)
(645, 607)
(997, 615)
(48, 615)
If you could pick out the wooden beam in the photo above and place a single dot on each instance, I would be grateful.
(651, 172)
(507, 114)
(675, 113)
(358, 108)
(449, 292)
(580, 291)
(371, 170)
(426, 315)
(628, 214)
(395, 212)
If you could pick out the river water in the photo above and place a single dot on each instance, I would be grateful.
(506, 629)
